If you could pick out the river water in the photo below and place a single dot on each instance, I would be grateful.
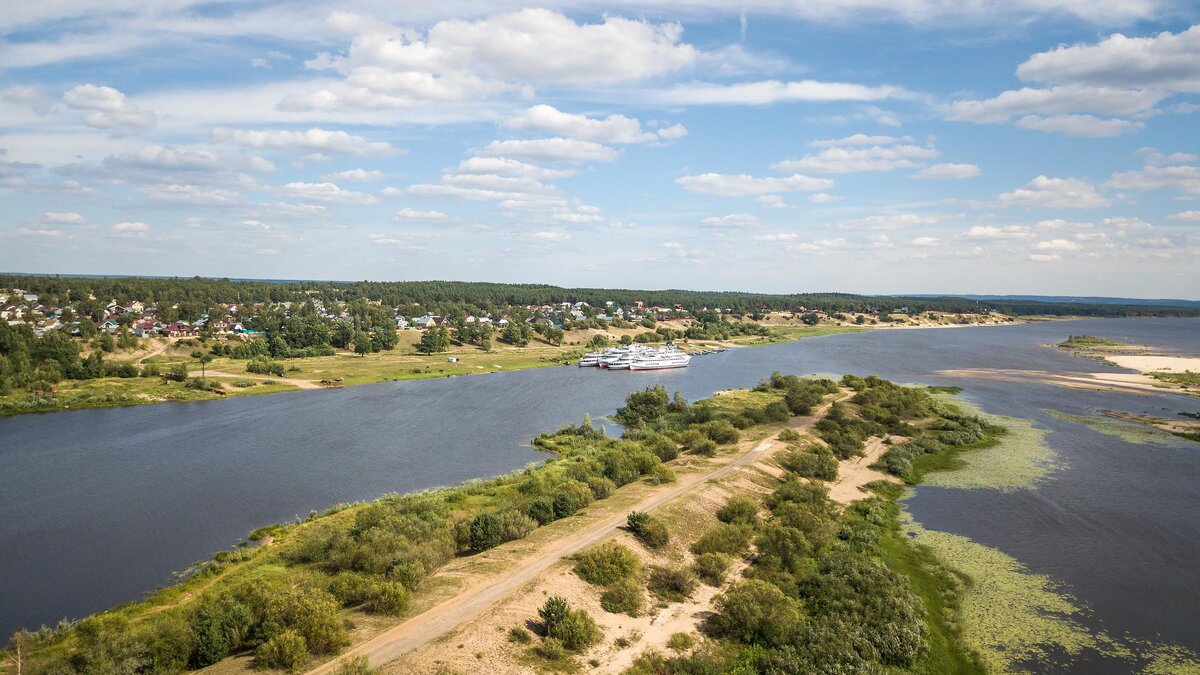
(98, 507)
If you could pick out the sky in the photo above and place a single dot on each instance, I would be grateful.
(867, 146)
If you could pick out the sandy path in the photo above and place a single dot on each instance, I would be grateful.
(856, 472)
(303, 384)
(154, 351)
(444, 617)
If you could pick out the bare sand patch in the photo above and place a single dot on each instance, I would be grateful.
(1156, 363)
(856, 472)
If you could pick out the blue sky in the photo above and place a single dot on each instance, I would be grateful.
(875, 146)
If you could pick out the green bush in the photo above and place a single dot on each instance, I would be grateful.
(712, 568)
(649, 530)
(519, 635)
(623, 597)
(674, 584)
(755, 612)
(721, 432)
(680, 642)
(391, 598)
(352, 588)
(812, 462)
(261, 365)
(553, 611)
(286, 651)
(789, 435)
(739, 510)
(577, 630)
(541, 510)
(487, 531)
(356, 665)
(724, 538)
(552, 649)
(606, 564)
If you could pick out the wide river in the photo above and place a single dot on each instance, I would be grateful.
(98, 507)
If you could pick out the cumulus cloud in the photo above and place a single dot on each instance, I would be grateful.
(63, 217)
(131, 227)
(547, 235)
(947, 172)
(771, 91)
(107, 108)
(992, 232)
(852, 159)
(1059, 100)
(1055, 193)
(328, 192)
(1056, 245)
(781, 236)
(321, 140)
(742, 185)
(1184, 178)
(893, 221)
(1045, 257)
(505, 166)
(516, 190)
(856, 139)
(551, 150)
(353, 175)
(1188, 216)
(1166, 61)
(458, 60)
(925, 241)
(412, 214)
(1086, 126)
(615, 129)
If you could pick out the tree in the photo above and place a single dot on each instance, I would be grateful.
(18, 648)
(204, 359)
(553, 335)
(362, 344)
(487, 531)
(599, 341)
(434, 340)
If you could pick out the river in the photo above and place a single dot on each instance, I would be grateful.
(101, 506)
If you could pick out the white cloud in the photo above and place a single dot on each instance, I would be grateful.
(328, 192)
(856, 139)
(889, 222)
(107, 108)
(165, 157)
(517, 190)
(546, 235)
(353, 175)
(1168, 61)
(47, 232)
(947, 172)
(742, 185)
(823, 198)
(1127, 223)
(1189, 216)
(992, 232)
(733, 220)
(1055, 193)
(925, 241)
(1085, 126)
(1055, 101)
(63, 217)
(617, 129)
(28, 95)
(458, 60)
(1056, 245)
(1045, 257)
(504, 166)
(411, 214)
(771, 91)
(323, 140)
(775, 201)
(551, 150)
(782, 236)
(1184, 178)
(856, 159)
(177, 193)
(131, 227)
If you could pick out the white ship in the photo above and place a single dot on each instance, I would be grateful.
(660, 361)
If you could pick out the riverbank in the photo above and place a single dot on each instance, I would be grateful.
(225, 377)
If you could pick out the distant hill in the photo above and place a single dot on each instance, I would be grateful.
(1071, 300)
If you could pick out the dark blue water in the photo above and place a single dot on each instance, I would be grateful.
(98, 507)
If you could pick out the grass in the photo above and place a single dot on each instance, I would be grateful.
(1185, 379)
(1088, 341)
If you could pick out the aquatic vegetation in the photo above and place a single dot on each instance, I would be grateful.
(1019, 460)
(1128, 431)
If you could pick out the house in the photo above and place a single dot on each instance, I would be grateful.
(180, 329)
(137, 307)
(428, 321)
(402, 323)
(144, 329)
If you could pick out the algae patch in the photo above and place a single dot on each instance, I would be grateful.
(1012, 617)
(1128, 431)
(1019, 460)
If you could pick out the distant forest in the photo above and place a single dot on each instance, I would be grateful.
(444, 296)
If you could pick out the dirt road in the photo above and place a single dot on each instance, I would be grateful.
(445, 616)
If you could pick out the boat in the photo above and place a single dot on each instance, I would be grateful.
(660, 361)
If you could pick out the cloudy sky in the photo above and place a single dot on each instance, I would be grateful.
(885, 146)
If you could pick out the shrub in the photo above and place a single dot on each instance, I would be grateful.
(356, 665)
(776, 411)
(577, 630)
(673, 584)
(680, 642)
(712, 568)
(606, 564)
(661, 474)
(487, 531)
(623, 597)
(755, 612)
(391, 598)
(262, 365)
(515, 525)
(721, 432)
(789, 435)
(519, 635)
(730, 539)
(554, 611)
(662, 447)
(739, 510)
(552, 648)
(352, 588)
(286, 651)
(813, 462)
(243, 384)
(541, 510)
(649, 530)
(706, 448)
(601, 487)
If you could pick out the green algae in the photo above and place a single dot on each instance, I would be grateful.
(1019, 460)
(1132, 432)
(1013, 617)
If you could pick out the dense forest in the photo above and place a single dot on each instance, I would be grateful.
(445, 296)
